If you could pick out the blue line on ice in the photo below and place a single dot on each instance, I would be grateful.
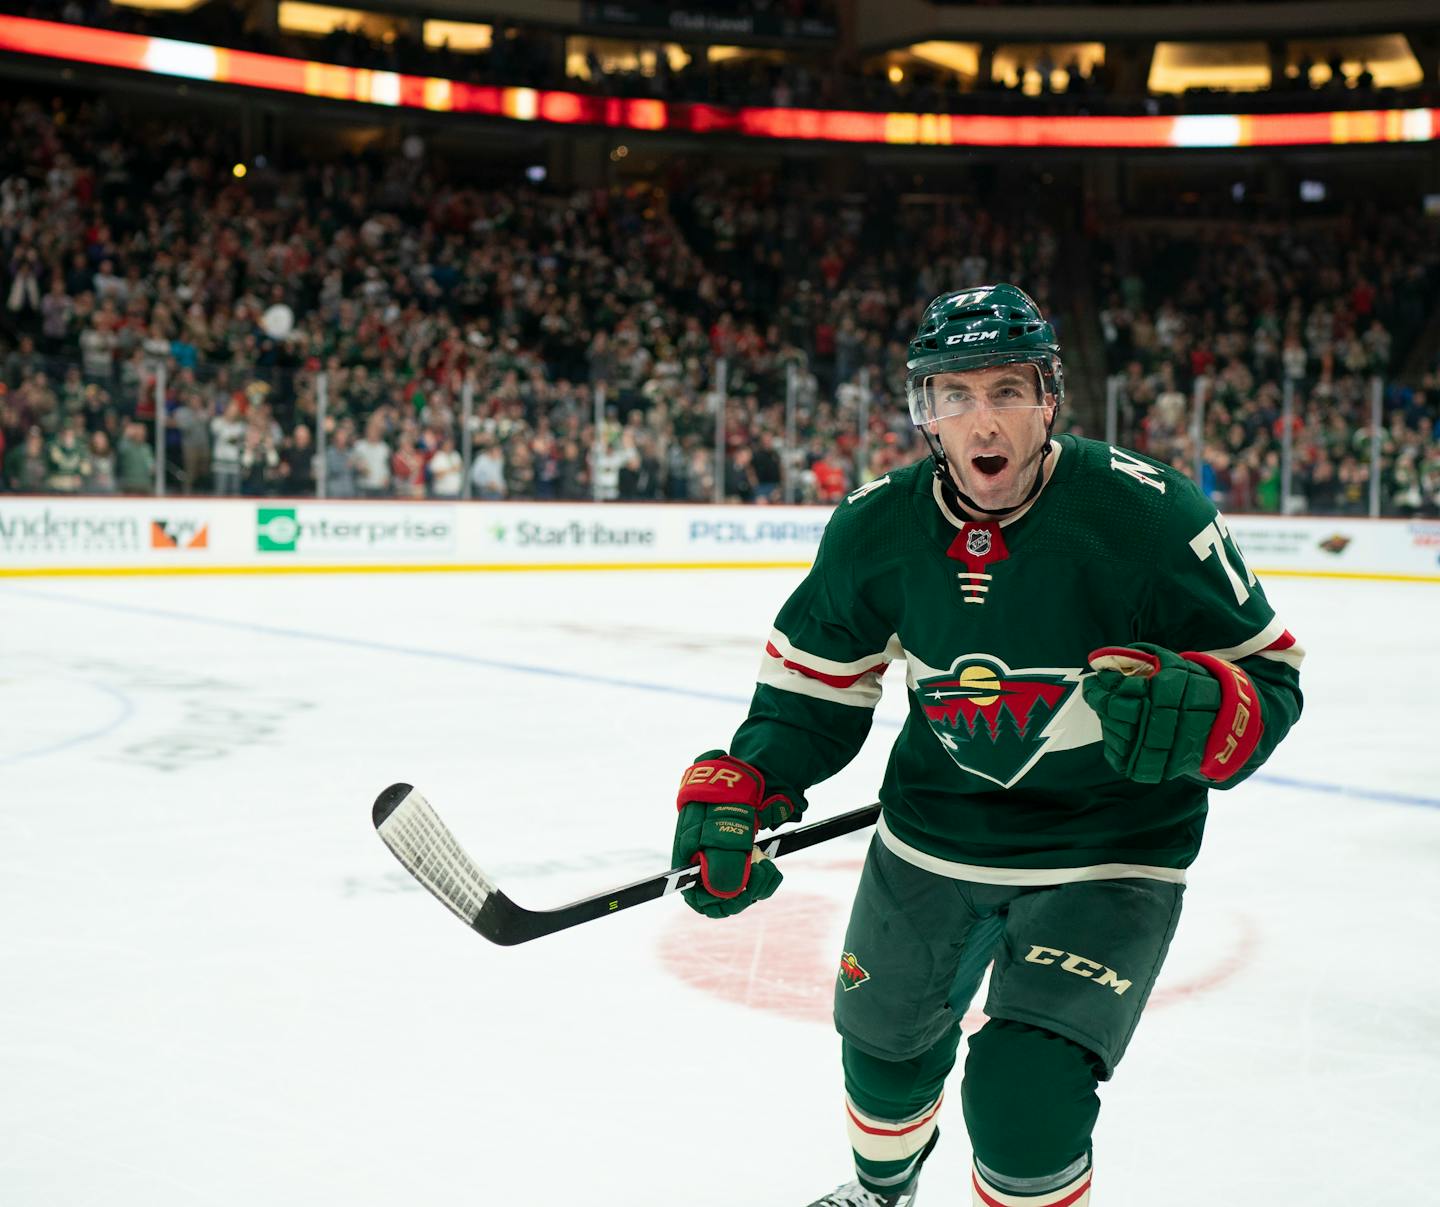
(571, 676)
(123, 714)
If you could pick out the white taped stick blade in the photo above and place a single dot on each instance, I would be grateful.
(419, 840)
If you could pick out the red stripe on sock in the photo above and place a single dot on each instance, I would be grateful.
(1073, 1197)
(895, 1131)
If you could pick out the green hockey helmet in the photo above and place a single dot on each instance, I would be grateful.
(982, 327)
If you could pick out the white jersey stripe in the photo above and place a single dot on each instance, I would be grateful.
(982, 874)
(863, 693)
(1271, 632)
(854, 683)
(827, 666)
(1292, 654)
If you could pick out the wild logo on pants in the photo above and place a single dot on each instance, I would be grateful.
(850, 971)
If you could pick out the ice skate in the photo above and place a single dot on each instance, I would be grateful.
(852, 1194)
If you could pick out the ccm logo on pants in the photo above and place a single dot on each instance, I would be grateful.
(1079, 965)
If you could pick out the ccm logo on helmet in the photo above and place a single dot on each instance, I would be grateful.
(971, 337)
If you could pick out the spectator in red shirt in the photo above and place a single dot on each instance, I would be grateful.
(830, 478)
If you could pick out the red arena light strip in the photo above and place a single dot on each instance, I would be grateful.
(191, 60)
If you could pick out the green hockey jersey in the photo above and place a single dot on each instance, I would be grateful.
(998, 774)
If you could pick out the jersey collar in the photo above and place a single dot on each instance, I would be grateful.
(959, 521)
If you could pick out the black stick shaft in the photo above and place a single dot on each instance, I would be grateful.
(505, 918)
(428, 851)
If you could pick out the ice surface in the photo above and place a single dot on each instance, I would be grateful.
(220, 989)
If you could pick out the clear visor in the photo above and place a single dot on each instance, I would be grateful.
(963, 391)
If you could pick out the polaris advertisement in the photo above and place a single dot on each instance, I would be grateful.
(51, 535)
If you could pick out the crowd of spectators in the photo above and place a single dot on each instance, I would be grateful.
(369, 304)
(137, 266)
(802, 76)
(1232, 320)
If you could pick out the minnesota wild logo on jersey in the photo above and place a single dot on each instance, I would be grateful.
(993, 721)
(1001, 762)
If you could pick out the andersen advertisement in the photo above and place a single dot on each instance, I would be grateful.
(50, 535)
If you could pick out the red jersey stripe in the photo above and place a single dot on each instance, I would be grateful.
(839, 681)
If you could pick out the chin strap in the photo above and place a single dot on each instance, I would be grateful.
(959, 501)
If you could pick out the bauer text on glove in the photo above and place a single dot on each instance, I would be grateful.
(1164, 714)
(722, 805)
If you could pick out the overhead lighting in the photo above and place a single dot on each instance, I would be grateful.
(1016, 61)
(1388, 58)
(1223, 66)
(458, 35)
(161, 6)
(896, 73)
(963, 58)
(297, 17)
(617, 55)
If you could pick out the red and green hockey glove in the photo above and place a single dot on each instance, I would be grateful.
(722, 806)
(1164, 714)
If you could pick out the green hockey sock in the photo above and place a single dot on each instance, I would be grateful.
(892, 1109)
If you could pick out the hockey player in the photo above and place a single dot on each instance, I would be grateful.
(1087, 655)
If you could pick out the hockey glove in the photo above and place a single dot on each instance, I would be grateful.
(1164, 714)
(722, 806)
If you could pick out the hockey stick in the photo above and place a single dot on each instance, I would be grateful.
(419, 840)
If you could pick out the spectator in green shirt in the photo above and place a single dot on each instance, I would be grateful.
(26, 464)
(69, 463)
(136, 461)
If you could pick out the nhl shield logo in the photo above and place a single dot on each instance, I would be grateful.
(978, 542)
(993, 721)
(851, 974)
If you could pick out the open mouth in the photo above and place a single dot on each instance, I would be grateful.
(990, 464)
